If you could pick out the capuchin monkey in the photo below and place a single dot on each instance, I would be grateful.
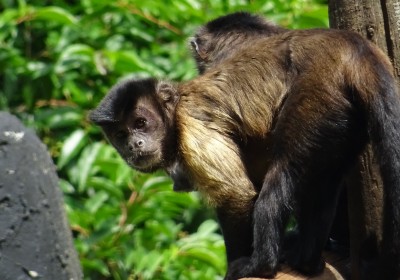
(267, 132)
(221, 38)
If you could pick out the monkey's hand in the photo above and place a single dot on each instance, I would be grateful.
(245, 268)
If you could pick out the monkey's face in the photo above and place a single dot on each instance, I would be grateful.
(140, 136)
(137, 116)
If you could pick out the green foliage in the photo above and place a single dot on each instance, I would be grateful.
(131, 224)
(57, 60)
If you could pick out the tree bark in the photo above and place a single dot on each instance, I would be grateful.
(378, 21)
(35, 239)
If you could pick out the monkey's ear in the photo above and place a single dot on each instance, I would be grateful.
(199, 47)
(101, 116)
(168, 94)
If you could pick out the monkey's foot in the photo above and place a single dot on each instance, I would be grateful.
(247, 268)
(301, 256)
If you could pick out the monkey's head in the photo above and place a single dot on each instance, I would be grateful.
(137, 117)
(219, 38)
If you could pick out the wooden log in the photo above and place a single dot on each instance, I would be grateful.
(337, 268)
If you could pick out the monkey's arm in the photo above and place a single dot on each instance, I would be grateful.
(214, 163)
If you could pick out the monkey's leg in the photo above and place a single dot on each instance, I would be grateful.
(315, 214)
(238, 234)
(315, 206)
(318, 145)
(271, 212)
(315, 203)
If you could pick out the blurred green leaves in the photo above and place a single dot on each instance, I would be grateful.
(129, 224)
(57, 60)
(54, 15)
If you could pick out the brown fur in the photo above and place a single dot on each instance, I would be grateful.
(216, 105)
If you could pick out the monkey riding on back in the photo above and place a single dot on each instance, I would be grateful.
(268, 130)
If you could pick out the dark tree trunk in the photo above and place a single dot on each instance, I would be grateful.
(379, 21)
(35, 239)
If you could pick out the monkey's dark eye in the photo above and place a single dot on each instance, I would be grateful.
(140, 123)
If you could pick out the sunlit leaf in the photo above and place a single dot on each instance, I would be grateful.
(85, 164)
(95, 202)
(66, 186)
(54, 14)
(149, 263)
(101, 183)
(71, 147)
(203, 254)
(207, 227)
(74, 56)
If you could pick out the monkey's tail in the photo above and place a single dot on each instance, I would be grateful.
(383, 120)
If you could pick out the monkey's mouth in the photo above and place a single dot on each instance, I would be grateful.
(144, 161)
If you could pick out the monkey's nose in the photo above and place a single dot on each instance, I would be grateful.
(139, 143)
(136, 145)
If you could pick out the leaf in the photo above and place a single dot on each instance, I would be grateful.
(309, 21)
(101, 183)
(94, 203)
(85, 164)
(74, 56)
(156, 182)
(204, 254)
(126, 61)
(97, 265)
(54, 14)
(59, 117)
(149, 263)
(38, 69)
(66, 186)
(207, 227)
(71, 147)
